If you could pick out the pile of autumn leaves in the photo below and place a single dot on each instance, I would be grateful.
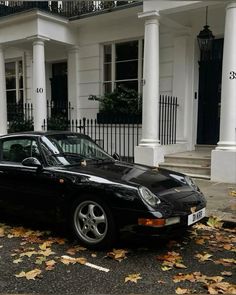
(212, 235)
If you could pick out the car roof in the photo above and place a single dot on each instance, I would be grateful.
(38, 133)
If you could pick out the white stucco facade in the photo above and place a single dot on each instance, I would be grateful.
(170, 66)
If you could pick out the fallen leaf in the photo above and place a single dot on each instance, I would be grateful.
(40, 260)
(232, 193)
(30, 275)
(215, 222)
(199, 241)
(203, 257)
(117, 254)
(193, 209)
(16, 261)
(166, 268)
(67, 260)
(180, 265)
(28, 254)
(2, 232)
(133, 278)
(161, 282)
(226, 273)
(45, 245)
(46, 252)
(181, 291)
(50, 264)
(93, 255)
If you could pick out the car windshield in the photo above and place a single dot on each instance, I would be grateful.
(72, 149)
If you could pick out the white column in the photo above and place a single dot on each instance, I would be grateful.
(73, 80)
(223, 162)
(149, 151)
(228, 96)
(150, 116)
(3, 98)
(39, 85)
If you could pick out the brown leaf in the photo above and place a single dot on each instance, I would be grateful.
(117, 254)
(133, 278)
(199, 241)
(45, 245)
(181, 291)
(50, 264)
(203, 257)
(16, 261)
(226, 273)
(232, 193)
(71, 260)
(2, 232)
(193, 209)
(180, 265)
(28, 254)
(30, 275)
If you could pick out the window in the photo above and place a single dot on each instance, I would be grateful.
(14, 86)
(123, 65)
(16, 150)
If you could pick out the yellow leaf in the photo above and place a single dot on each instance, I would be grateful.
(117, 254)
(193, 209)
(29, 253)
(215, 222)
(30, 275)
(232, 193)
(133, 278)
(40, 260)
(166, 268)
(46, 252)
(45, 245)
(16, 261)
(181, 291)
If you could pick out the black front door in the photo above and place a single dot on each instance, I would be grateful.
(210, 74)
(59, 90)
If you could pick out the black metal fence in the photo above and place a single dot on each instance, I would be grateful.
(112, 137)
(64, 8)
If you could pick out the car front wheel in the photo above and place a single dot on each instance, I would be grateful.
(93, 223)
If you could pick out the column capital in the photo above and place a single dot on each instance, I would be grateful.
(231, 5)
(74, 48)
(40, 40)
(149, 15)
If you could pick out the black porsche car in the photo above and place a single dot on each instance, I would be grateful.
(69, 177)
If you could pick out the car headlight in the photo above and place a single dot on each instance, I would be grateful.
(191, 183)
(149, 197)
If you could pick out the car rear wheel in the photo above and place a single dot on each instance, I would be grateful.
(93, 223)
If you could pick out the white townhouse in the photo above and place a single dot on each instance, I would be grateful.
(66, 51)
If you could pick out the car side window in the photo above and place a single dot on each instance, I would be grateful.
(17, 149)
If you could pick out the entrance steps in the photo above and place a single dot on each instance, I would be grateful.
(195, 163)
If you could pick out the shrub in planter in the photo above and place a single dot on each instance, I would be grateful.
(20, 124)
(122, 104)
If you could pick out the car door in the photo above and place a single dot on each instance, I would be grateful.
(26, 190)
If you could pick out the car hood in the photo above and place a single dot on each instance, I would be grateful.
(157, 180)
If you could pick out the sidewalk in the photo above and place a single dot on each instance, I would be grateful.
(220, 199)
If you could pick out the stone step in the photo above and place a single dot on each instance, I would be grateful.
(204, 147)
(187, 168)
(183, 159)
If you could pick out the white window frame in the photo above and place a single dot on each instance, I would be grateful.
(17, 75)
(113, 64)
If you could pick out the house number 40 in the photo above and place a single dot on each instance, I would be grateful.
(39, 90)
(232, 75)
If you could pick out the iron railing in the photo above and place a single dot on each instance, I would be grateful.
(113, 137)
(64, 8)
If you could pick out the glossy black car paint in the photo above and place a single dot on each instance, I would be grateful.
(52, 190)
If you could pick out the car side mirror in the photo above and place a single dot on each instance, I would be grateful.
(31, 162)
(116, 157)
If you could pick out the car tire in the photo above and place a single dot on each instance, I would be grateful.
(92, 223)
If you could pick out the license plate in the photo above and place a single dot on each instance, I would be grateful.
(196, 216)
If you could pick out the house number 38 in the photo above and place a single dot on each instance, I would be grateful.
(39, 90)
(232, 75)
